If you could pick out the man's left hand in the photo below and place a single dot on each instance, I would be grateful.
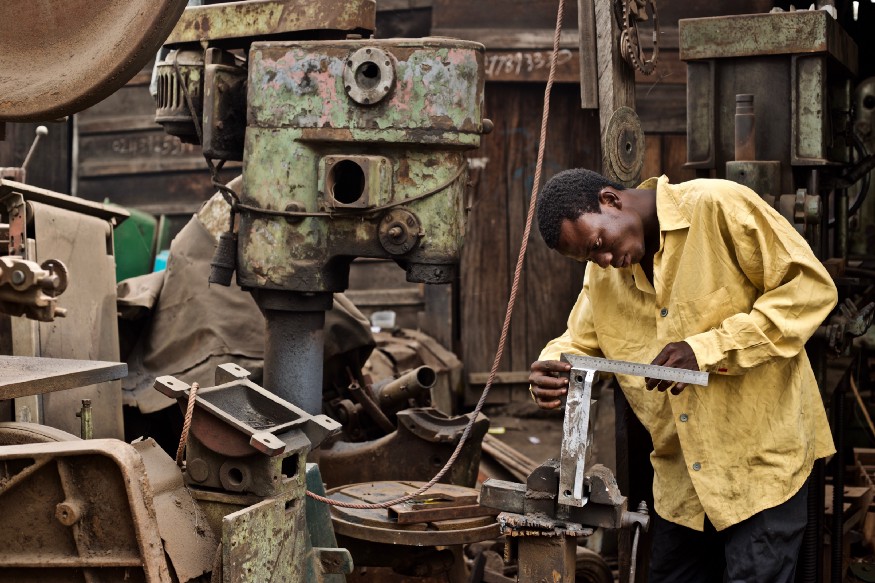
(675, 355)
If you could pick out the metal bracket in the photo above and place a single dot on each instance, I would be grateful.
(576, 438)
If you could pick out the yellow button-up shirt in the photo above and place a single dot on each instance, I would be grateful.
(734, 280)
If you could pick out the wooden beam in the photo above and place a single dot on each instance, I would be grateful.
(589, 83)
(616, 79)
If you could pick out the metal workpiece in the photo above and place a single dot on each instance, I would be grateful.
(58, 59)
(77, 507)
(576, 438)
(30, 289)
(236, 24)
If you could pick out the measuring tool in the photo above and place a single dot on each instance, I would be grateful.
(577, 436)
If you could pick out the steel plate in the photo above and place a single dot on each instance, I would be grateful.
(58, 58)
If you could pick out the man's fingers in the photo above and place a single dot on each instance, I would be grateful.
(548, 382)
(548, 394)
(550, 366)
(678, 388)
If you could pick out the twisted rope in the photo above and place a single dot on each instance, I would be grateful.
(189, 410)
(510, 304)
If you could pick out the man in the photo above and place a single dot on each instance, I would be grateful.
(702, 275)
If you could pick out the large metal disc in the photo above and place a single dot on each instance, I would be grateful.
(57, 58)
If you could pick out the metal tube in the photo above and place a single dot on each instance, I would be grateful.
(293, 357)
(745, 128)
(405, 387)
(838, 484)
(840, 244)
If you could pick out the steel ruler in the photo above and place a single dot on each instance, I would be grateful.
(577, 431)
(652, 371)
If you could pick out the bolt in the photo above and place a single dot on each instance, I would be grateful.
(18, 277)
(395, 232)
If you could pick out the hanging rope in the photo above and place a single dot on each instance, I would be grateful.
(189, 410)
(510, 303)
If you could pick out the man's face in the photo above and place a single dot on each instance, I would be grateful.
(612, 237)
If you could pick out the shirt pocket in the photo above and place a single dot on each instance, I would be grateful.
(705, 312)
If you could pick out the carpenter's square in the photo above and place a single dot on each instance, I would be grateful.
(576, 438)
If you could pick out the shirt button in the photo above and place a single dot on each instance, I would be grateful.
(697, 466)
(663, 312)
(684, 417)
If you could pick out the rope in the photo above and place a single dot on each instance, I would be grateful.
(862, 406)
(189, 410)
(510, 304)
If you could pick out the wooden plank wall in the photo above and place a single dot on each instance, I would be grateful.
(518, 38)
(50, 166)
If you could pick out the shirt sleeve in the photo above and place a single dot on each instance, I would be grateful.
(580, 337)
(797, 293)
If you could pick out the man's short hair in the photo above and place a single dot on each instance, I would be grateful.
(568, 195)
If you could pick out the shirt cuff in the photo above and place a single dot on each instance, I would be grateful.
(706, 347)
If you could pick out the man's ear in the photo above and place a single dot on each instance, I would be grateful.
(610, 197)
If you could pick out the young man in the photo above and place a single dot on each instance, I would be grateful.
(702, 275)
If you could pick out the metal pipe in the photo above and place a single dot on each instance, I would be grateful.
(293, 357)
(745, 128)
(838, 484)
(407, 386)
(840, 243)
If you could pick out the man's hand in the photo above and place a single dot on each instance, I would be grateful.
(676, 355)
(547, 386)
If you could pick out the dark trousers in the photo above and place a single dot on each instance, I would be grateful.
(762, 549)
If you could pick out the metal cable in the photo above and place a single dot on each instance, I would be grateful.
(510, 303)
(634, 562)
(189, 410)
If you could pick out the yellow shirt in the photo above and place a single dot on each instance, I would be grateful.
(734, 280)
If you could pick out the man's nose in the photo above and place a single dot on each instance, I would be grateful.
(603, 259)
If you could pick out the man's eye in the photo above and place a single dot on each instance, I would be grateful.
(598, 245)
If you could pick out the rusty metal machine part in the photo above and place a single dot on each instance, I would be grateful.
(246, 470)
(30, 290)
(411, 384)
(368, 75)
(310, 123)
(425, 437)
(84, 486)
(635, 11)
(236, 24)
(451, 525)
(624, 142)
(180, 80)
(237, 426)
(60, 58)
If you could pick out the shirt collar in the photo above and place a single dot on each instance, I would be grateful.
(669, 210)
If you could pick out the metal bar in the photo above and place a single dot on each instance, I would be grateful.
(575, 438)
(665, 373)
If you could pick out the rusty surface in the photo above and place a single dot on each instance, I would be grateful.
(378, 526)
(784, 33)
(188, 540)
(265, 18)
(23, 375)
(425, 438)
(430, 508)
(78, 506)
(57, 58)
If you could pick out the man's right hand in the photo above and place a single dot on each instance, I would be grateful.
(547, 385)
